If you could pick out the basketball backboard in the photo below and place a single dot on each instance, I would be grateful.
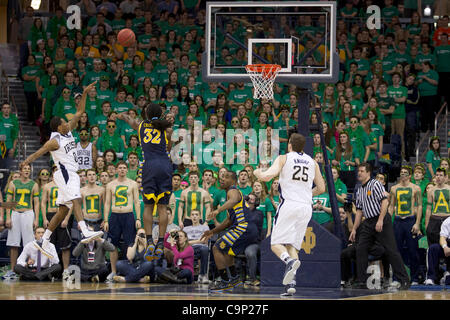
(299, 36)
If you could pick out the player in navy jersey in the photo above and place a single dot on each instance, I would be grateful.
(240, 232)
(157, 169)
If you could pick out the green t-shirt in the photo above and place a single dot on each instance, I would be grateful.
(426, 88)
(322, 217)
(64, 107)
(265, 207)
(442, 58)
(106, 142)
(11, 129)
(434, 159)
(400, 92)
(30, 86)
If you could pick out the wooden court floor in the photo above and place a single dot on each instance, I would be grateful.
(21, 290)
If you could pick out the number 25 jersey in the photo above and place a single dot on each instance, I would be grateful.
(297, 177)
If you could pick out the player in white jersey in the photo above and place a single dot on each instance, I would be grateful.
(63, 150)
(86, 151)
(297, 171)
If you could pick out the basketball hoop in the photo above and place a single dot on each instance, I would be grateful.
(263, 76)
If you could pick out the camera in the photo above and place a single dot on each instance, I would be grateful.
(348, 205)
(142, 235)
(174, 235)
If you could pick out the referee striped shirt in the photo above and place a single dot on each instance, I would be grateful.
(368, 198)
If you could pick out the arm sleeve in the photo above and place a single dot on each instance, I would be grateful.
(378, 191)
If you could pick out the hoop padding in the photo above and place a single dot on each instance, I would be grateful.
(263, 76)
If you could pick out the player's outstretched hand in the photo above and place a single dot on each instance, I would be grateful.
(206, 235)
(89, 87)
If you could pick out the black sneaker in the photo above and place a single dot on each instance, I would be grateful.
(405, 285)
(289, 290)
(221, 286)
(236, 281)
(291, 269)
(159, 251)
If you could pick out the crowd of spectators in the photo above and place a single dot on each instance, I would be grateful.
(392, 82)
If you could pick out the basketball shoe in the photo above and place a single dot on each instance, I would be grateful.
(43, 246)
(290, 271)
(91, 235)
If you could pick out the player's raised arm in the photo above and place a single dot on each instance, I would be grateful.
(273, 171)
(50, 145)
(81, 107)
(318, 181)
(133, 123)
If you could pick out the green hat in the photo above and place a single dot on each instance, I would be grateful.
(104, 77)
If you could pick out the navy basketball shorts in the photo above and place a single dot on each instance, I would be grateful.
(157, 181)
(236, 239)
(122, 224)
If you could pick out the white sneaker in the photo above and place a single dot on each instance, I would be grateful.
(44, 247)
(289, 290)
(429, 282)
(203, 279)
(91, 235)
(446, 274)
(110, 278)
(414, 283)
(10, 275)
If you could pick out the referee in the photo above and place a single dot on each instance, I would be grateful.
(377, 226)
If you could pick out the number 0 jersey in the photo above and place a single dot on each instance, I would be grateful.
(153, 141)
(65, 157)
(296, 178)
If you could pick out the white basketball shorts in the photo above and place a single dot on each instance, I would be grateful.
(68, 187)
(290, 223)
(21, 228)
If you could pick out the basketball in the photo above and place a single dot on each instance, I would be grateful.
(126, 37)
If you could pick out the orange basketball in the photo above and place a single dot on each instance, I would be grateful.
(126, 37)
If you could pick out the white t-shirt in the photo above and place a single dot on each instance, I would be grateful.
(195, 233)
(297, 177)
(445, 228)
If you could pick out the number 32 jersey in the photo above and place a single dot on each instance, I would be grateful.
(297, 177)
(153, 141)
(65, 157)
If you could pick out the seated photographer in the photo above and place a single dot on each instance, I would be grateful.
(93, 259)
(33, 265)
(136, 268)
(183, 256)
(194, 233)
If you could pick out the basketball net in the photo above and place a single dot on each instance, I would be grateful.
(263, 76)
